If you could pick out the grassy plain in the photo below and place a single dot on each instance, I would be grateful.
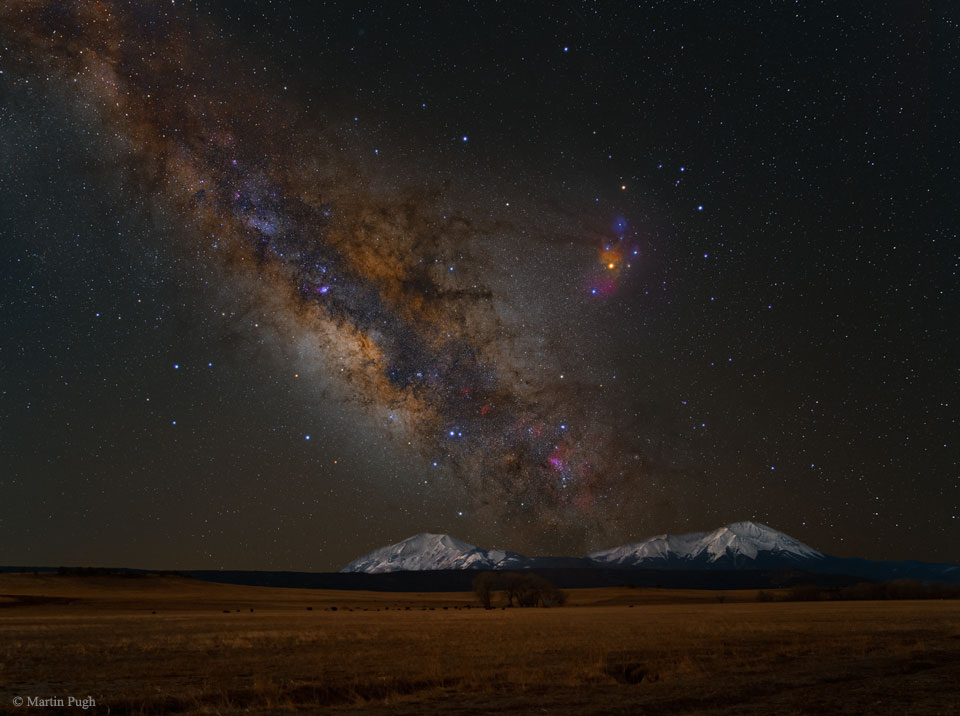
(157, 645)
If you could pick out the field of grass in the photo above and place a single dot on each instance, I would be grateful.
(156, 645)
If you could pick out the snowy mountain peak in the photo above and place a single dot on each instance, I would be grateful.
(735, 542)
(737, 545)
(433, 542)
(427, 551)
(748, 539)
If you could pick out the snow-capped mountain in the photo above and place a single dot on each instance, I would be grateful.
(424, 552)
(741, 544)
(738, 544)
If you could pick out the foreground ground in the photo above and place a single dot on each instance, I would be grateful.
(157, 645)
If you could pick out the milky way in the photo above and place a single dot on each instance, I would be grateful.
(547, 277)
(380, 282)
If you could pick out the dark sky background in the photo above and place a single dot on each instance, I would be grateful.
(548, 277)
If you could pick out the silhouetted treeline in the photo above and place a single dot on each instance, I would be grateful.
(898, 589)
(524, 589)
(111, 572)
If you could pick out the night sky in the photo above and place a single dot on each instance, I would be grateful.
(282, 282)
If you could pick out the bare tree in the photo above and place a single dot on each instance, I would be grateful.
(535, 591)
(512, 587)
(483, 586)
(523, 589)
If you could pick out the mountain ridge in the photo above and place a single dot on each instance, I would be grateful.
(735, 541)
(742, 545)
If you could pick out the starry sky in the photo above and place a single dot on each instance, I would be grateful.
(283, 282)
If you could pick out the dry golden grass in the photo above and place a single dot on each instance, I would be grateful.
(618, 651)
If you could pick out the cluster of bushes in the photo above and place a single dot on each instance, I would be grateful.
(526, 590)
(898, 589)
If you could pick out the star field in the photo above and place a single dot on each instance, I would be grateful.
(285, 282)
